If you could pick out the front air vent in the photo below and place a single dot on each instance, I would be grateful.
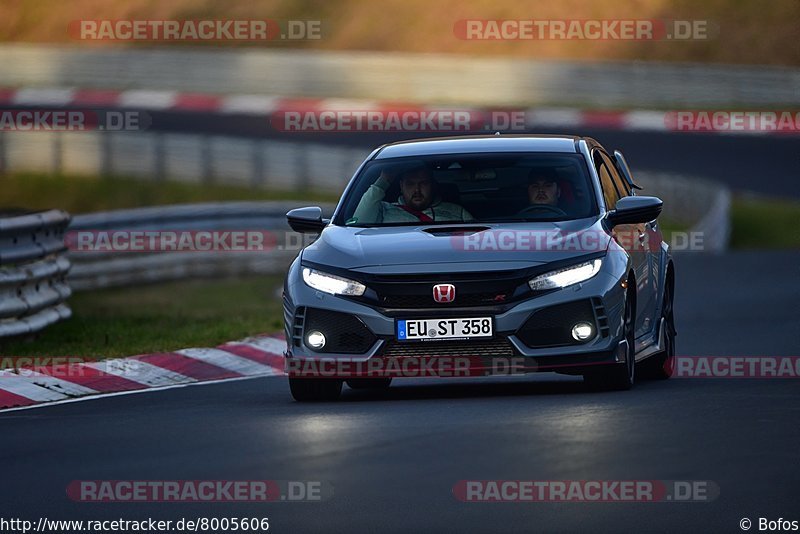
(297, 326)
(602, 318)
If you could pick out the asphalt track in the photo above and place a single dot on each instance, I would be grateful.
(393, 458)
(766, 164)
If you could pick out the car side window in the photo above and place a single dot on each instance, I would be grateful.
(621, 183)
(610, 193)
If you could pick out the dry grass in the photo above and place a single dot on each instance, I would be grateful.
(749, 31)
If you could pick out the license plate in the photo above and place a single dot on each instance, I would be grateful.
(428, 329)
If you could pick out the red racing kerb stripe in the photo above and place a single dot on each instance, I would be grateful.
(191, 367)
(96, 97)
(9, 400)
(275, 361)
(101, 381)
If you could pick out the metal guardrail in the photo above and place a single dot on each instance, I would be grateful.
(231, 160)
(33, 290)
(99, 269)
(189, 158)
(243, 161)
(687, 201)
(401, 76)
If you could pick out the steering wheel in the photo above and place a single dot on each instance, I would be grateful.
(546, 207)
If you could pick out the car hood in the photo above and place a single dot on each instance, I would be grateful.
(455, 247)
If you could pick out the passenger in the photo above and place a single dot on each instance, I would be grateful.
(418, 201)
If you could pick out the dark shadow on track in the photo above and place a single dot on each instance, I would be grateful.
(400, 391)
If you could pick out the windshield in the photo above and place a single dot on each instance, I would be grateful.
(478, 188)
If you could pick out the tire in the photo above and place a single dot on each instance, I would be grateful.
(621, 376)
(661, 366)
(315, 389)
(369, 383)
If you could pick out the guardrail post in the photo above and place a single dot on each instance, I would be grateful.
(159, 157)
(257, 179)
(303, 178)
(207, 159)
(58, 153)
(106, 156)
(3, 164)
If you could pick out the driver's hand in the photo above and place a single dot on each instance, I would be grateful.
(388, 175)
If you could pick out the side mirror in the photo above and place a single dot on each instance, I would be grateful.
(307, 220)
(634, 210)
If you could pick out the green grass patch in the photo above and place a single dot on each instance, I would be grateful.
(79, 194)
(764, 223)
(160, 317)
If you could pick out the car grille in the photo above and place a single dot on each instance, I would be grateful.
(432, 349)
(552, 326)
(472, 289)
(426, 301)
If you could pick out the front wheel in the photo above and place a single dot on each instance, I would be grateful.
(661, 366)
(315, 389)
(619, 376)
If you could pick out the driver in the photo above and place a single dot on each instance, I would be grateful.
(418, 200)
(543, 187)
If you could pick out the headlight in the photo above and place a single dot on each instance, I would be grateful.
(566, 277)
(335, 285)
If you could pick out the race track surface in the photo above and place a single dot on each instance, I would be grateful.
(394, 458)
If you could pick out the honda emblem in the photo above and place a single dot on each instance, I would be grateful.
(444, 293)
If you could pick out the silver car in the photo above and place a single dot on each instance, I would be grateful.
(481, 255)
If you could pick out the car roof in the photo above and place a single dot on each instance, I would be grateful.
(478, 144)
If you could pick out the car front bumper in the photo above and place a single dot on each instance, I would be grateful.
(510, 351)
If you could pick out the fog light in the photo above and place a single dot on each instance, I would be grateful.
(315, 339)
(582, 331)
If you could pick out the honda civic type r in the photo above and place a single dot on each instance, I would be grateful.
(476, 255)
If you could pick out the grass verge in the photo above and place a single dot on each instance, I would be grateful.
(79, 194)
(160, 317)
(764, 223)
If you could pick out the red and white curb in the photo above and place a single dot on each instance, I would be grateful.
(252, 357)
(267, 105)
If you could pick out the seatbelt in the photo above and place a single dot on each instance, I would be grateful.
(418, 214)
